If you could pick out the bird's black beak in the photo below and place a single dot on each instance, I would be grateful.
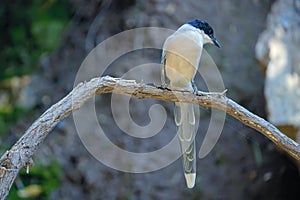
(215, 41)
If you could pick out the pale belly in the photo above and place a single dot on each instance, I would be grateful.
(182, 60)
(179, 71)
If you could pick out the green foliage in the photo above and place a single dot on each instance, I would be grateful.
(45, 179)
(8, 115)
(29, 29)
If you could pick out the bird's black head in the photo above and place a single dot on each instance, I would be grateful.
(206, 28)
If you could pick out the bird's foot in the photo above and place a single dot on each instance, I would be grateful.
(163, 87)
(195, 89)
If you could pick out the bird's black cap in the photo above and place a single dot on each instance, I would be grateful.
(203, 25)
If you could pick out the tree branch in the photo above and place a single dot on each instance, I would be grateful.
(22, 151)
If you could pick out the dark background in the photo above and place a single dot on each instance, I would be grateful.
(43, 45)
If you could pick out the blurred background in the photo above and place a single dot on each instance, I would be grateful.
(43, 43)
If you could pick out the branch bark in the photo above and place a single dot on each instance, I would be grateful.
(22, 151)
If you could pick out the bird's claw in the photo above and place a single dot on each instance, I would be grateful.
(163, 87)
(195, 89)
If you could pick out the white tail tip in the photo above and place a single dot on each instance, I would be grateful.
(190, 179)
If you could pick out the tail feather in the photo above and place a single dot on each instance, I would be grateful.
(184, 117)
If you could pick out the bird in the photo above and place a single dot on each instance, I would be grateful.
(180, 59)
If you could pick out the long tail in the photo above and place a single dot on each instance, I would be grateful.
(185, 121)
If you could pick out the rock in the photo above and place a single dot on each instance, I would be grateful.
(278, 50)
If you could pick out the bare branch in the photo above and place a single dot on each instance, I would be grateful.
(21, 153)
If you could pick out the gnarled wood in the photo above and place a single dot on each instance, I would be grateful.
(21, 153)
